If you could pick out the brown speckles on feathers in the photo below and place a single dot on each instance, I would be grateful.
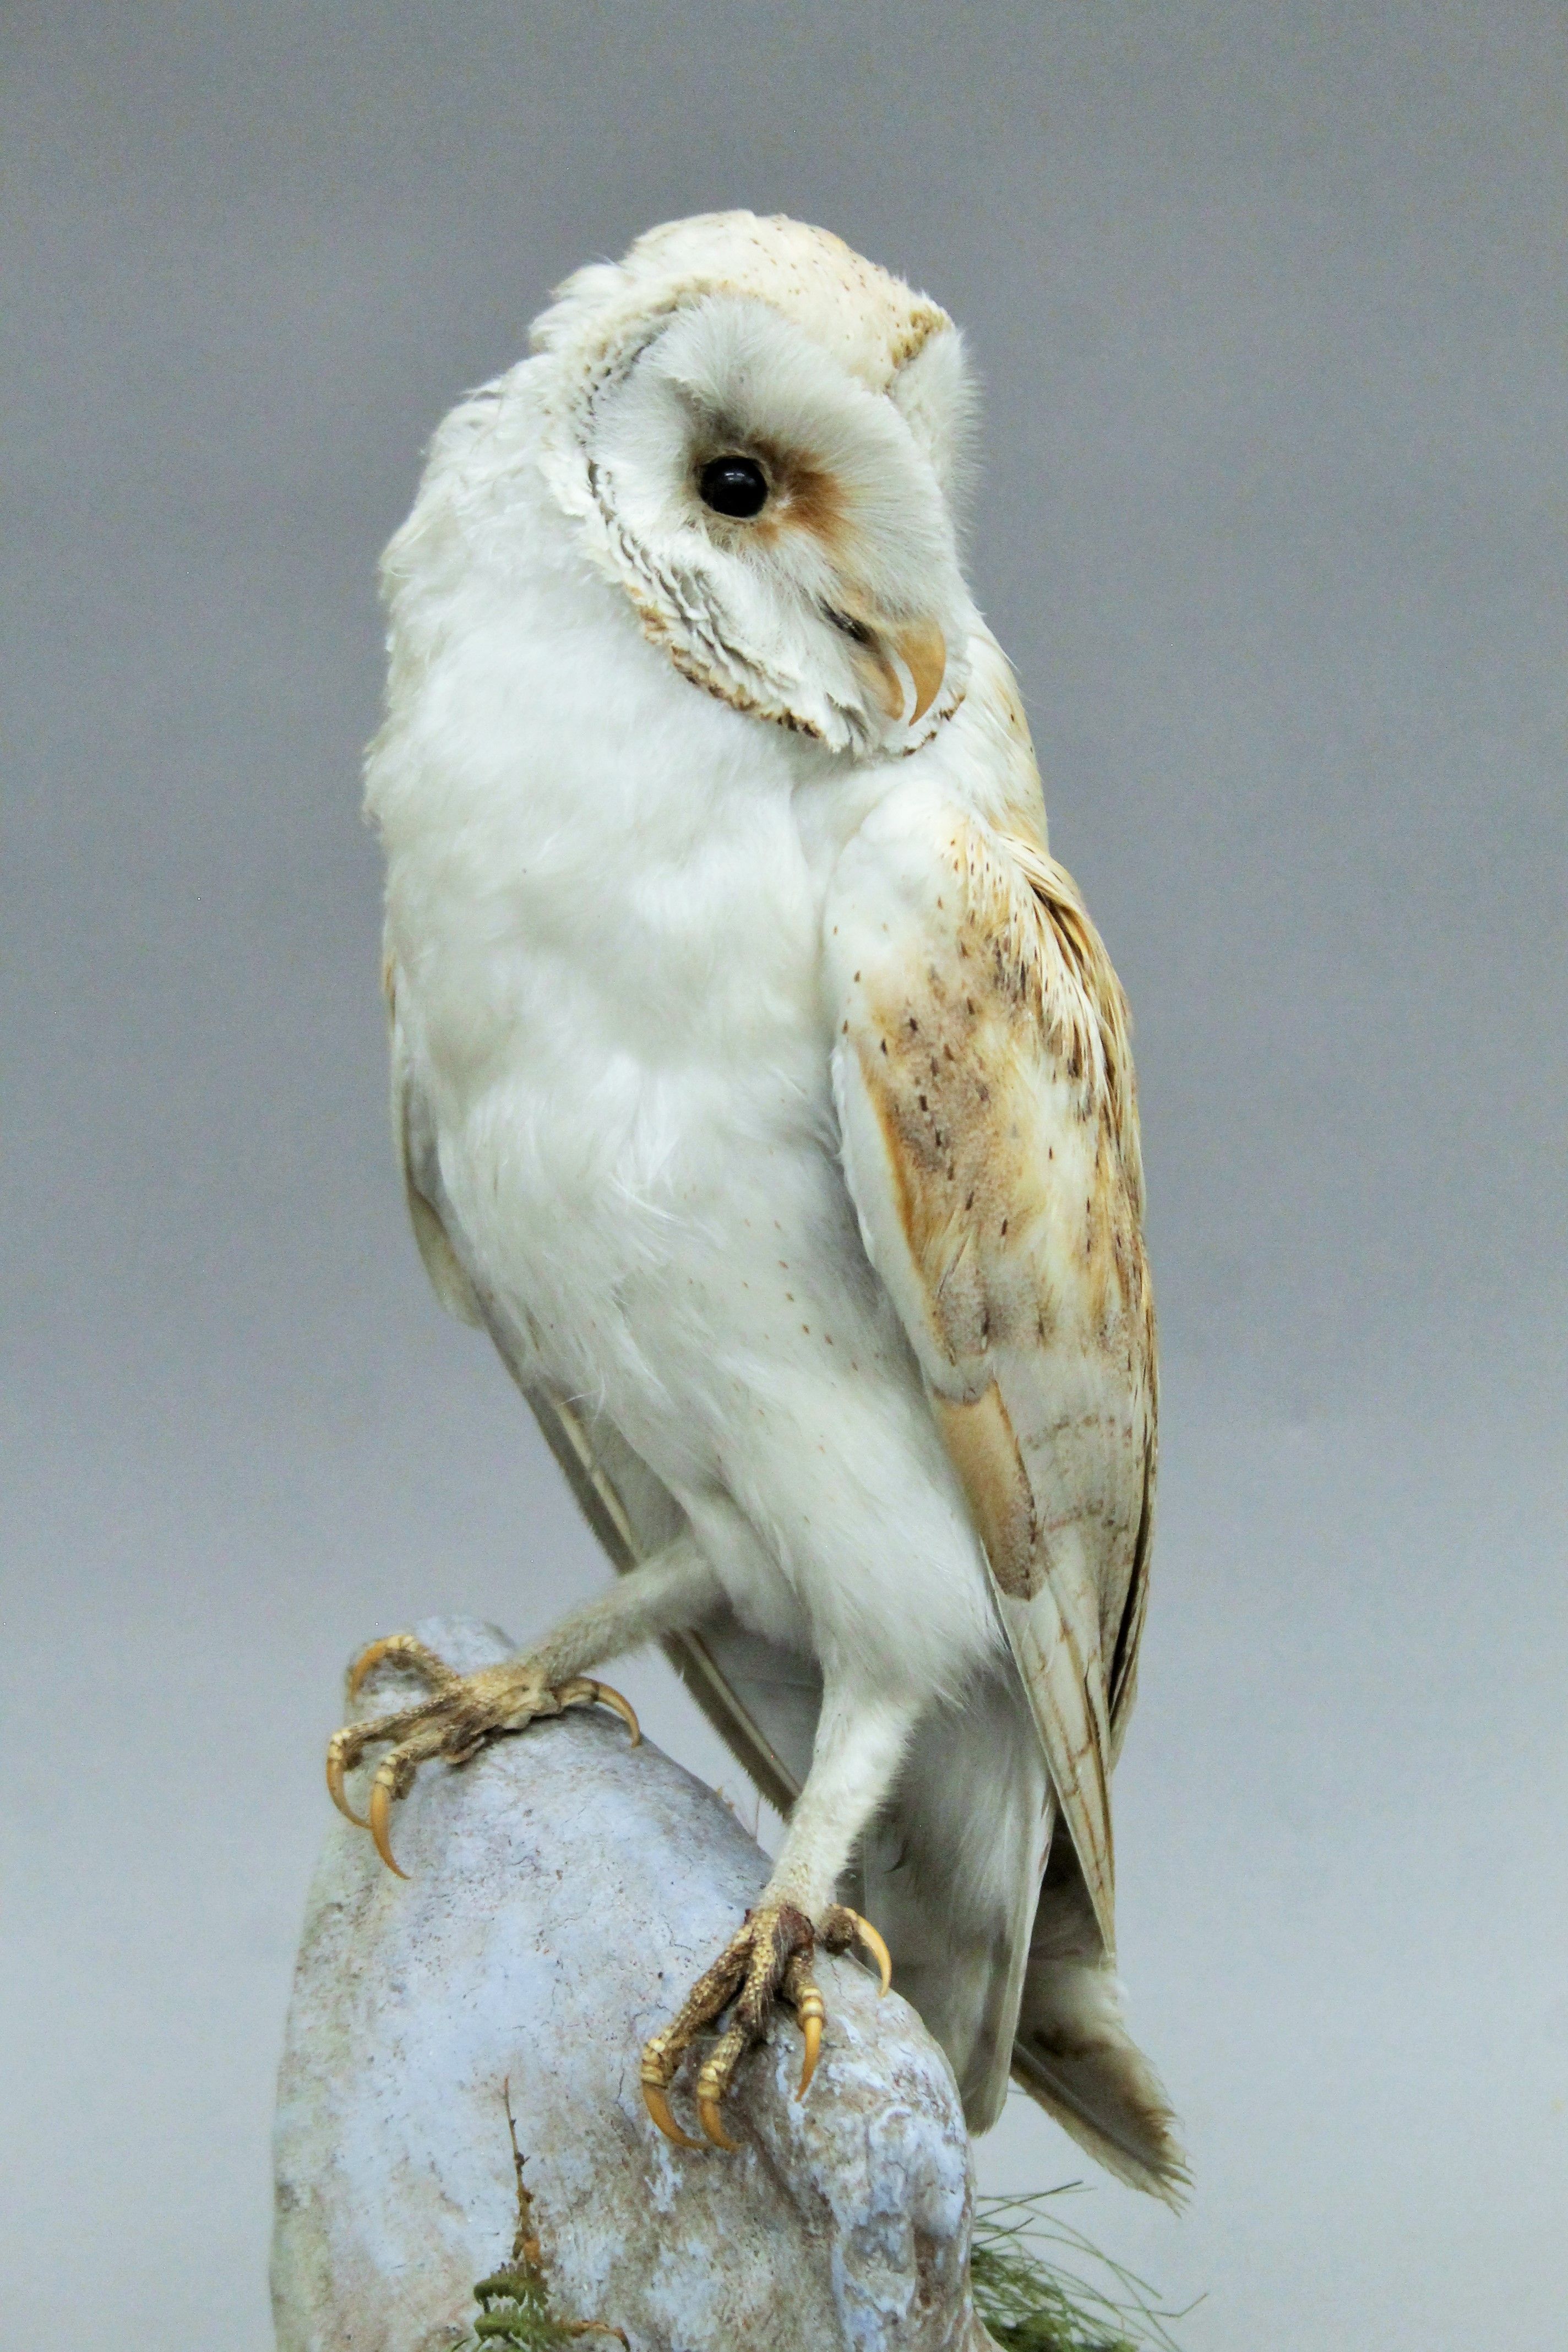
(959, 1104)
(1007, 1113)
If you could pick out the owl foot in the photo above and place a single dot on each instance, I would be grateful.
(466, 1712)
(769, 1956)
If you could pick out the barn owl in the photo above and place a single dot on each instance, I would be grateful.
(763, 1087)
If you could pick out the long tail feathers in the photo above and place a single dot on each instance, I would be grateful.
(1072, 2051)
(1107, 2095)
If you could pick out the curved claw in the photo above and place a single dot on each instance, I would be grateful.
(378, 1825)
(811, 2010)
(398, 1646)
(582, 1690)
(339, 1793)
(657, 2105)
(873, 1942)
(713, 2122)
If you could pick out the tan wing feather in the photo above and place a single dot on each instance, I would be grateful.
(990, 1131)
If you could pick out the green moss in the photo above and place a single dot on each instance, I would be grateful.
(515, 2312)
(514, 2302)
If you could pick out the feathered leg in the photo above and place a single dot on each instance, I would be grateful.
(854, 1765)
(671, 1593)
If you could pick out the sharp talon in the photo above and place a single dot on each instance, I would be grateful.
(583, 1691)
(657, 2105)
(339, 1794)
(368, 1662)
(876, 1948)
(811, 2010)
(713, 2123)
(621, 1706)
(380, 1817)
(402, 1645)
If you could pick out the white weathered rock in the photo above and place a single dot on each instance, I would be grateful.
(564, 1890)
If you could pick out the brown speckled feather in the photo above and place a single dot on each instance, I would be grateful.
(990, 1130)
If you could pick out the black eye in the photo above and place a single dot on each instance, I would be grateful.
(733, 486)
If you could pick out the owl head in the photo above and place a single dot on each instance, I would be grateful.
(760, 435)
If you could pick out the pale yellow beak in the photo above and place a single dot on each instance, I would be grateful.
(903, 666)
(920, 650)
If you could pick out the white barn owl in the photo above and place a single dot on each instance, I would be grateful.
(763, 1089)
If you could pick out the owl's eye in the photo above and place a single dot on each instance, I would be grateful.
(733, 486)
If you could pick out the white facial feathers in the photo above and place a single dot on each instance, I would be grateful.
(839, 608)
(836, 604)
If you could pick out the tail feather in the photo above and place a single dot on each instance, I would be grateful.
(1009, 1983)
(1072, 2051)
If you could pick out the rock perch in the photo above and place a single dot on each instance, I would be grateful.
(563, 1892)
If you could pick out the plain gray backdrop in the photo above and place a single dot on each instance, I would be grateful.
(1268, 303)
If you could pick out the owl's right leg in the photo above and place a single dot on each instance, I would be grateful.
(669, 1593)
(861, 1737)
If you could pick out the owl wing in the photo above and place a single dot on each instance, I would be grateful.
(990, 1139)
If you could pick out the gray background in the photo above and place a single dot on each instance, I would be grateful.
(1267, 301)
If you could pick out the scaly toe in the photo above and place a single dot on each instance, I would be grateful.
(770, 1955)
(812, 2012)
(464, 1712)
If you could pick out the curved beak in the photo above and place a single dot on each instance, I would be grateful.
(920, 654)
(903, 664)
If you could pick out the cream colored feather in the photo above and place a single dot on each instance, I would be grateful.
(990, 1138)
(763, 1088)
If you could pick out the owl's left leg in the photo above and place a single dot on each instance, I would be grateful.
(671, 1592)
(859, 1744)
